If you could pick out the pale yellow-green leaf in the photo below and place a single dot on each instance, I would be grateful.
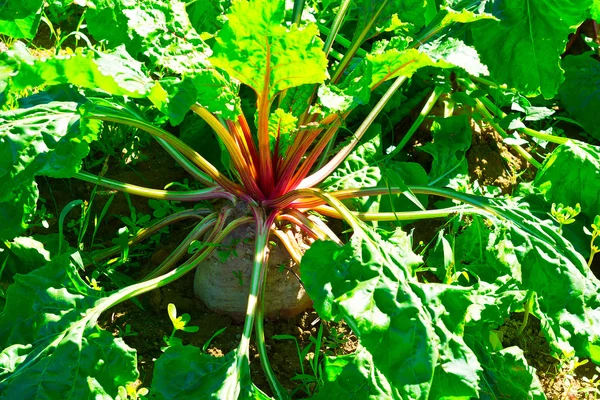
(255, 48)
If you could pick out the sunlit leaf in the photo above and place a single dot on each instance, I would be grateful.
(255, 48)
(523, 48)
(185, 372)
(52, 347)
(20, 19)
(115, 72)
(47, 139)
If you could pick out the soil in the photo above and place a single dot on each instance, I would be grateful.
(493, 163)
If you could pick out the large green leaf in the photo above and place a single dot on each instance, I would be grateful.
(20, 19)
(365, 167)
(528, 253)
(174, 96)
(116, 72)
(393, 63)
(185, 372)
(571, 175)
(24, 254)
(456, 52)
(579, 92)
(353, 376)
(506, 373)
(160, 30)
(595, 10)
(523, 48)
(52, 347)
(47, 139)
(451, 140)
(17, 210)
(369, 284)
(255, 48)
(208, 16)
(566, 290)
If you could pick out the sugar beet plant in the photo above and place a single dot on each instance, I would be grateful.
(313, 145)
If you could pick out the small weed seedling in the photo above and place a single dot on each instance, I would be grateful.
(179, 324)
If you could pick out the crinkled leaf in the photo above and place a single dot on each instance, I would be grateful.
(523, 48)
(353, 376)
(369, 290)
(208, 16)
(24, 254)
(159, 29)
(451, 140)
(255, 48)
(373, 14)
(506, 373)
(494, 302)
(393, 63)
(48, 139)
(354, 90)
(364, 167)
(174, 96)
(333, 100)
(295, 100)
(360, 168)
(20, 19)
(532, 255)
(571, 175)
(115, 72)
(52, 345)
(456, 52)
(579, 92)
(185, 372)
(370, 285)
(457, 368)
(496, 294)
